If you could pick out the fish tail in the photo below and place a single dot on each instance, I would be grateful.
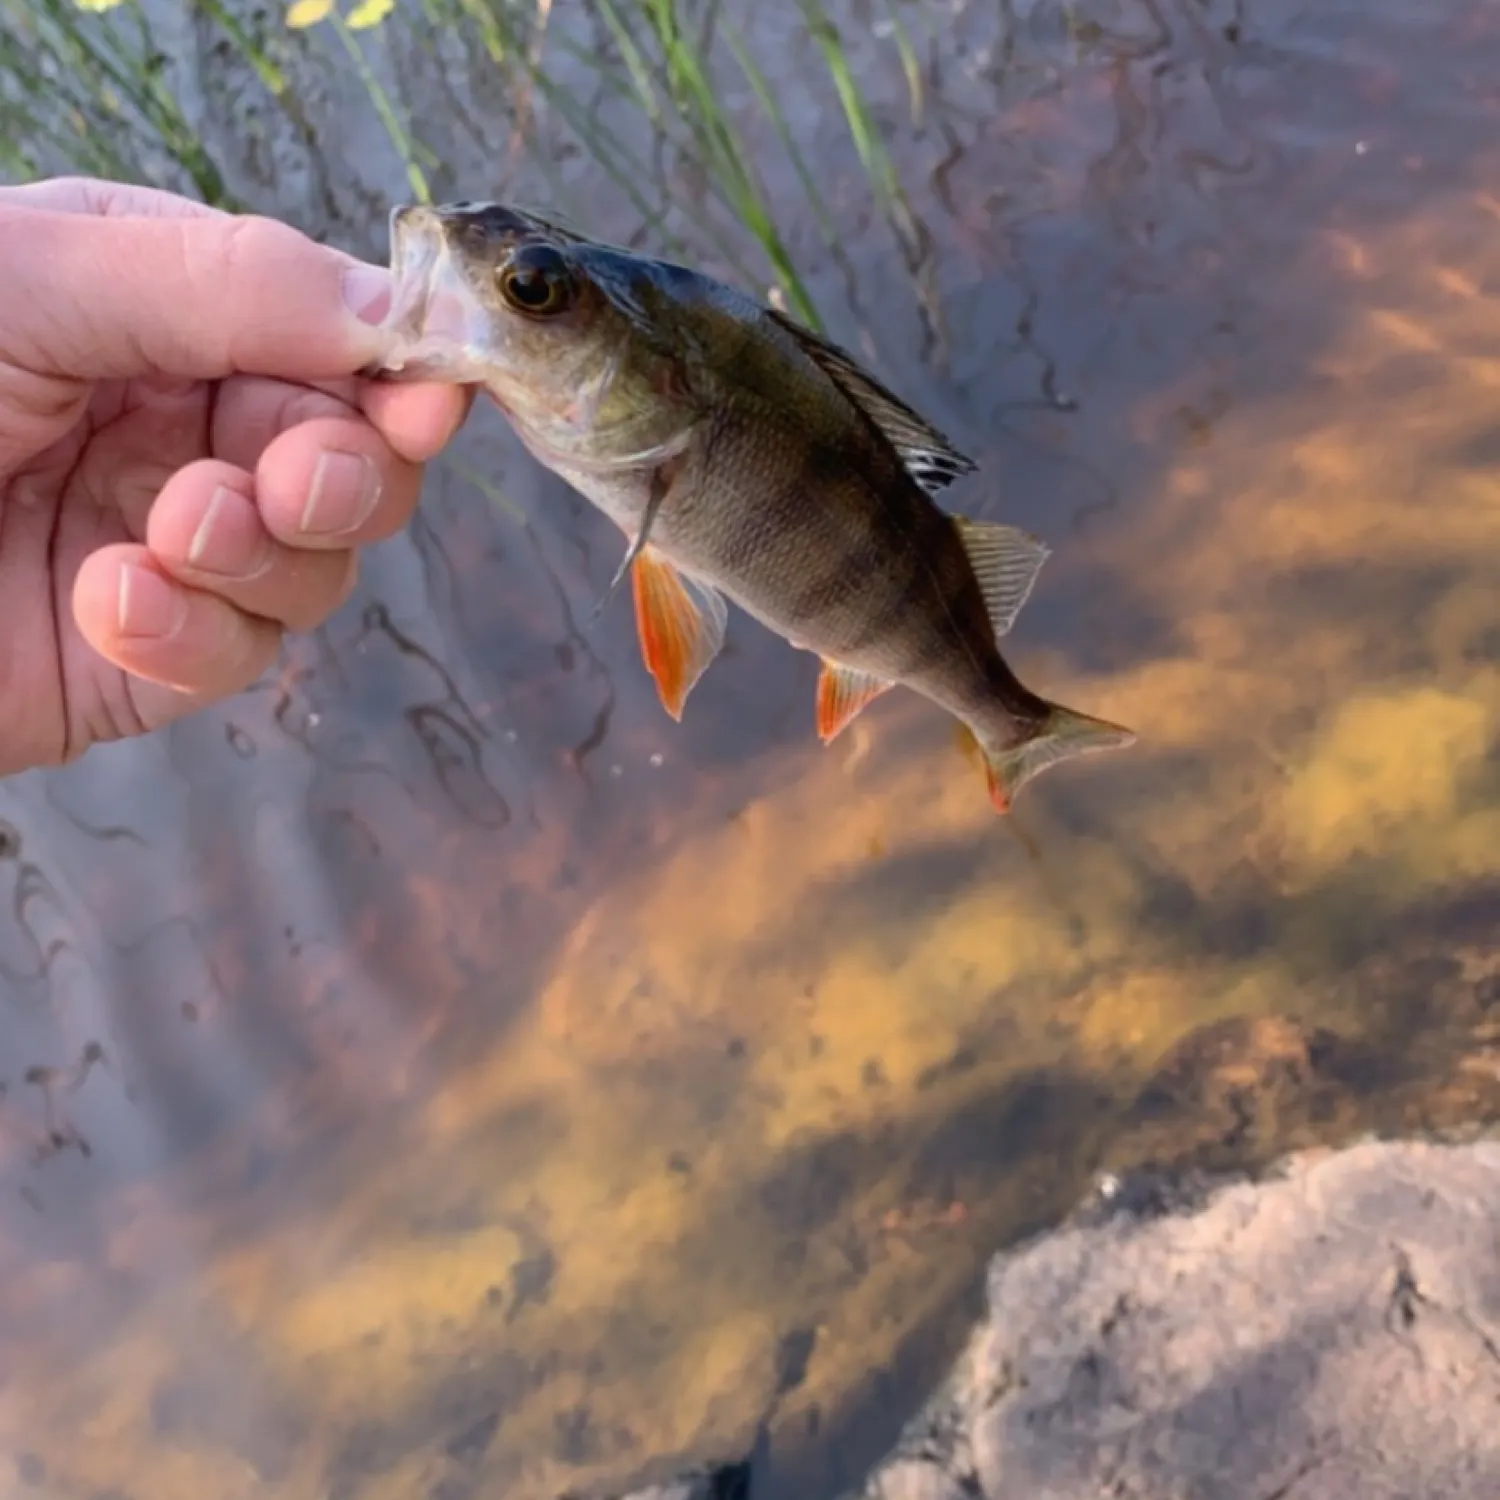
(1057, 735)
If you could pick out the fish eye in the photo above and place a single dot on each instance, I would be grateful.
(536, 280)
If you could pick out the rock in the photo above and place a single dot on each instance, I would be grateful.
(682, 1489)
(1329, 1332)
(718, 1482)
(915, 1479)
(1332, 1330)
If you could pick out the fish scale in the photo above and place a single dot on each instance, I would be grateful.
(744, 458)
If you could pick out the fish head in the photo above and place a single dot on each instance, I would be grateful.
(488, 294)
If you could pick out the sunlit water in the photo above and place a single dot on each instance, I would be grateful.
(437, 1074)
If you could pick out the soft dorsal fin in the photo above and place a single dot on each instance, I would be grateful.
(1005, 562)
(929, 457)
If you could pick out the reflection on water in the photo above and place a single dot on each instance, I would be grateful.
(438, 1074)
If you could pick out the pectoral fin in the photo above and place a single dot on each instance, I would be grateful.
(681, 623)
(661, 482)
(842, 693)
(1005, 562)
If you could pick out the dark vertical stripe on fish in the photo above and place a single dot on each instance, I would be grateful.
(906, 612)
(824, 535)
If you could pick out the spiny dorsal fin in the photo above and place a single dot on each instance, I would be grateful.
(1005, 562)
(842, 693)
(929, 457)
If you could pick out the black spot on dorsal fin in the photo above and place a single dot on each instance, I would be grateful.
(929, 457)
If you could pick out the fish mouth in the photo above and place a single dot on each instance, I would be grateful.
(435, 326)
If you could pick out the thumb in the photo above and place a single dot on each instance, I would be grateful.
(203, 297)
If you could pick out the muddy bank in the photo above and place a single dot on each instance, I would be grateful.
(1331, 1330)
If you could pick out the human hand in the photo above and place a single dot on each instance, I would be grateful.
(188, 459)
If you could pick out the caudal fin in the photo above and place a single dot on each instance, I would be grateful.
(1063, 734)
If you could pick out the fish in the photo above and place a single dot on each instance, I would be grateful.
(746, 459)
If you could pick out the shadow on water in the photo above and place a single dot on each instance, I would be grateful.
(436, 1074)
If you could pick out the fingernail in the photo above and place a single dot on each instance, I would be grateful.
(230, 540)
(148, 605)
(345, 489)
(367, 292)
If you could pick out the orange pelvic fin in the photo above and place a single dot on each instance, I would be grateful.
(681, 624)
(842, 693)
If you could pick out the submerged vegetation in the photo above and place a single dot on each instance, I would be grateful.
(90, 92)
(98, 86)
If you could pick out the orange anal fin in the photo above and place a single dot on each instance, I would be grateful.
(681, 624)
(999, 795)
(973, 752)
(842, 693)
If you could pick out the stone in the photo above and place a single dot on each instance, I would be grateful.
(1331, 1330)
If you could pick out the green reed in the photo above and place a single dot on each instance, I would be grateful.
(398, 131)
(672, 74)
(873, 156)
(515, 38)
(514, 42)
(90, 90)
(671, 59)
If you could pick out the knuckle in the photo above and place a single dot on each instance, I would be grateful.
(231, 263)
(248, 244)
(47, 404)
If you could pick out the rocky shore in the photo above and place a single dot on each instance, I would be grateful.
(1331, 1330)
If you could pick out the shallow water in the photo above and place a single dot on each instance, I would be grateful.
(436, 1073)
